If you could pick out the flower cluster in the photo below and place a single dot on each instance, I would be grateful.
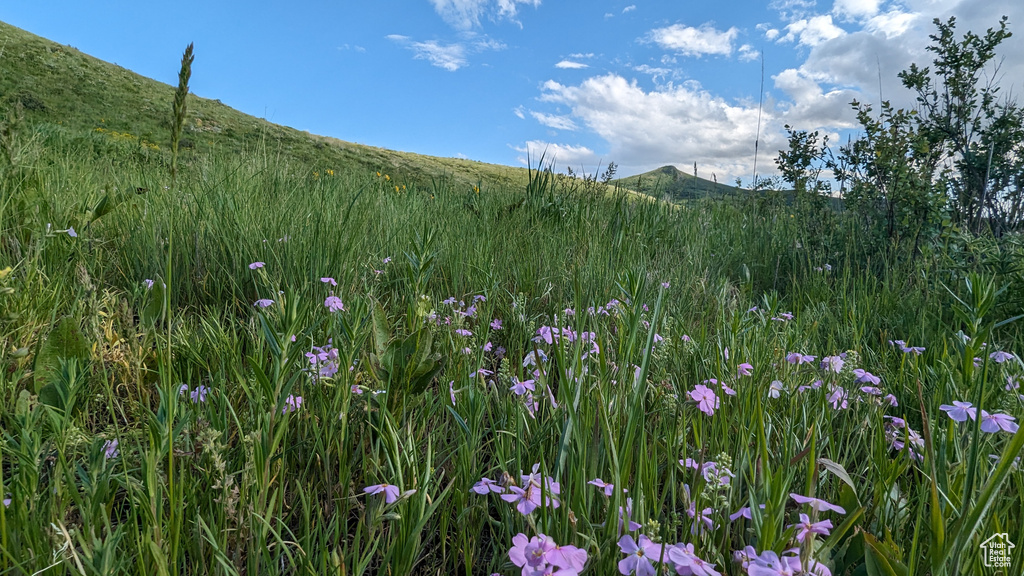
(536, 491)
(642, 554)
(541, 556)
(291, 404)
(323, 361)
(991, 423)
(769, 563)
(197, 395)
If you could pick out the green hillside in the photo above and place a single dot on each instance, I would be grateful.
(60, 85)
(670, 183)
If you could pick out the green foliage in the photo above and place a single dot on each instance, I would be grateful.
(890, 174)
(247, 436)
(976, 134)
(65, 342)
(403, 366)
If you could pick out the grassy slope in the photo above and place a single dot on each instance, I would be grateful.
(60, 85)
(673, 184)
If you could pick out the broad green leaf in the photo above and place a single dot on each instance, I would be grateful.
(65, 341)
(837, 469)
(880, 559)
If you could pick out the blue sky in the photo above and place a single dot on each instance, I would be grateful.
(641, 84)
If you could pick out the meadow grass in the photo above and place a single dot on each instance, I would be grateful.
(181, 394)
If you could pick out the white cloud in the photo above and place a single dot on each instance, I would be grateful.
(770, 31)
(811, 107)
(669, 124)
(466, 14)
(791, 10)
(748, 53)
(892, 23)
(520, 112)
(629, 8)
(451, 57)
(691, 41)
(812, 31)
(582, 56)
(557, 154)
(554, 121)
(839, 59)
(856, 9)
(656, 72)
(571, 65)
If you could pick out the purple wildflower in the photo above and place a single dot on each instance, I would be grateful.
(995, 422)
(486, 485)
(808, 528)
(263, 302)
(999, 356)
(863, 377)
(607, 487)
(639, 557)
(687, 562)
(291, 404)
(960, 411)
(817, 504)
(390, 491)
(798, 358)
(199, 394)
(256, 265)
(832, 364)
(705, 398)
(334, 304)
(838, 398)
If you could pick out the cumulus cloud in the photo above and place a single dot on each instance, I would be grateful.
(559, 154)
(571, 65)
(466, 14)
(554, 121)
(852, 52)
(678, 124)
(748, 53)
(691, 41)
(629, 8)
(891, 24)
(812, 31)
(856, 9)
(863, 63)
(811, 107)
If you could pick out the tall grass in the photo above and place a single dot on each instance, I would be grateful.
(220, 468)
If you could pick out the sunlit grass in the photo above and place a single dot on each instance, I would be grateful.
(157, 420)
